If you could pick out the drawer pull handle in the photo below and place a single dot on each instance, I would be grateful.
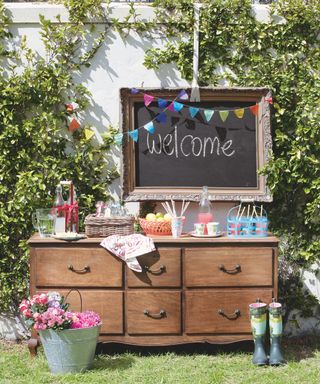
(233, 271)
(159, 315)
(159, 271)
(83, 270)
(233, 315)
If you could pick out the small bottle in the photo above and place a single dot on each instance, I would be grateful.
(60, 222)
(205, 209)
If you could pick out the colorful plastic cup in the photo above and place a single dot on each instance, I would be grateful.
(213, 228)
(176, 226)
(199, 229)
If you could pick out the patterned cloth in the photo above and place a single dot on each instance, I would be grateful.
(128, 248)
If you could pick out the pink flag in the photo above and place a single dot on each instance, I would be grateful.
(148, 99)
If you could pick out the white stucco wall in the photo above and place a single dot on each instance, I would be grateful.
(118, 63)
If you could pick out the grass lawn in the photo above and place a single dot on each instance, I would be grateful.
(208, 366)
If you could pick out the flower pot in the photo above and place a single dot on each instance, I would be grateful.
(69, 350)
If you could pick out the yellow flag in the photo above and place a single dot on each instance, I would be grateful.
(88, 134)
(239, 113)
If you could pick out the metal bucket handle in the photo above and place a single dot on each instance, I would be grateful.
(77, 290)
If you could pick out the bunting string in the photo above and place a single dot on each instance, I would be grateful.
(176, 106)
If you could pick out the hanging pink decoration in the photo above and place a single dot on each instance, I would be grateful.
(171, 107)
(269, 100)
(148, 99)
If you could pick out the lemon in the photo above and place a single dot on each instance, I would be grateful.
(151, 217)
(161, 219)
(159, 214)
(167, 217)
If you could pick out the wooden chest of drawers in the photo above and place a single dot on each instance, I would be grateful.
(190, 290)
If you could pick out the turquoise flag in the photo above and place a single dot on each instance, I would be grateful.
(118, 138)
(149, 127)
(193, 111)
(134, 135)
(208, 113)
(177, 106)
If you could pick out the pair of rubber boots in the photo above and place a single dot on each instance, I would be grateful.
(258, 318)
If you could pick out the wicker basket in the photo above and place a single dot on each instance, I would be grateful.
(106, 226)
(157, 228)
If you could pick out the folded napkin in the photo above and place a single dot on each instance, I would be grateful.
(128, 248)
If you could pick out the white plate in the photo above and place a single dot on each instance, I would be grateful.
(68, 237)
(195, 235)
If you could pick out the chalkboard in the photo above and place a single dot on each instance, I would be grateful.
(184, 153)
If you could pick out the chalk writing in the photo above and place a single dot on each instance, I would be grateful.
(189, 145)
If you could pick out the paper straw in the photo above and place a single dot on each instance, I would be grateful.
(242, 213)
(166, 209)
(185, 208)
(182, 206)
(261, 208)
(240, 206)
(253, 211)
(168, 206)
(174, 208)
(248, 214)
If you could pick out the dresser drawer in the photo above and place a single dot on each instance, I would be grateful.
(161, 268)
(221, 311)
(77, 267)
(153, 312)
(228, 267)
(108, 304)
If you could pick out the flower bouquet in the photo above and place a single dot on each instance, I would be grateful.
(69, 338)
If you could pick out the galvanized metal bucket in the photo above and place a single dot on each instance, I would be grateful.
(69, 350)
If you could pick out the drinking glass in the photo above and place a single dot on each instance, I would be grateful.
(44, 221)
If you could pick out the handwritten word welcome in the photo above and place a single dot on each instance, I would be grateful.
(188, 145)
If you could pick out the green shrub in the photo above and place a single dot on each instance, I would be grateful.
(36, 149)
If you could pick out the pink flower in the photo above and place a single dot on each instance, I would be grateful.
(43, 299)
(25, 304)
(27, 313)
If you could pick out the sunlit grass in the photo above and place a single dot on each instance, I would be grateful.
(303, 356)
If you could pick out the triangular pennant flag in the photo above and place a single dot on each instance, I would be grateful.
(162, 103)
(88, 134)
(177, 106)
(148, 99)
(118, 138)
(239, 113)
(208, 113)
(254, 109)
(134, 135)
(162, 117)
(224, 115)
(134, 91)
(171, 107)
(74, 125)
(149, 127)
(183, 95)
(193, 111)
(269, 100)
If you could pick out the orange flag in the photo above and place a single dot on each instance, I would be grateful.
(74, 125)
(254, 109)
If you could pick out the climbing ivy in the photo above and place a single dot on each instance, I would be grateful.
(284, 55)
(36, 149)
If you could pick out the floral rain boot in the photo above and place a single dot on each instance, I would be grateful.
(258, 318)
(275, 324)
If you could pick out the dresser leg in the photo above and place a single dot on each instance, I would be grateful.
(33, 346)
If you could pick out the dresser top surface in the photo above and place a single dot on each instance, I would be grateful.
(185, 239)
